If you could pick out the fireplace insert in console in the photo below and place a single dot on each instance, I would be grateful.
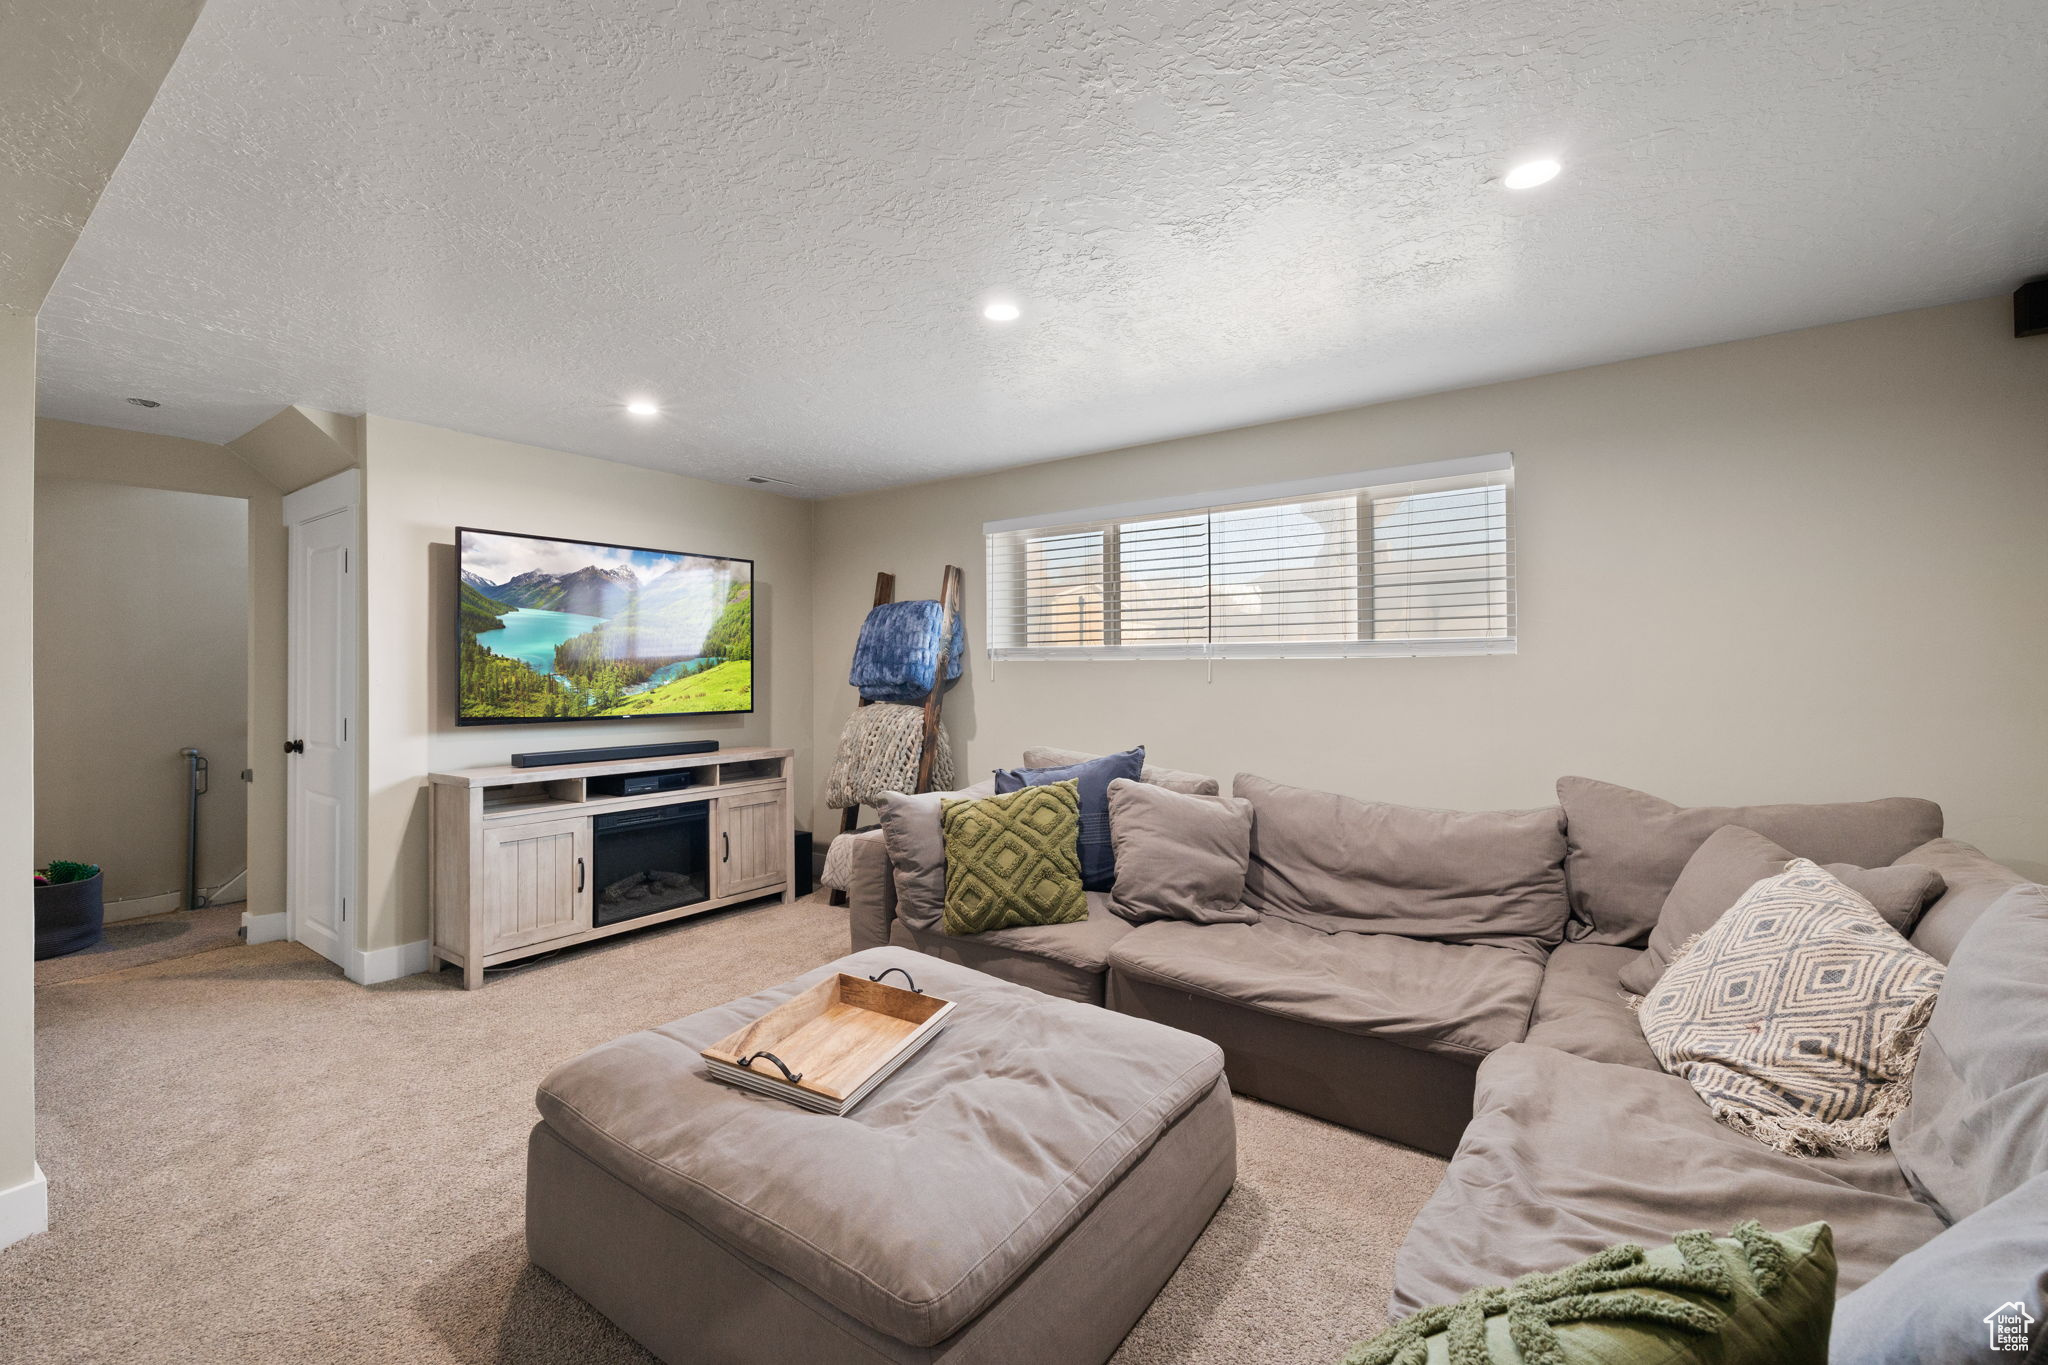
(651, 860)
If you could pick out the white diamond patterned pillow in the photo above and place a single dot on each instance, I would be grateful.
(1797, 1016)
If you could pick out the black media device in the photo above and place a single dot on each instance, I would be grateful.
(613, 755)
(641, 784)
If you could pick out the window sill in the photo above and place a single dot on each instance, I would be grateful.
(1293, 649)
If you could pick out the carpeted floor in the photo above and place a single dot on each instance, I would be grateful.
(156, 938)
(251, 1159)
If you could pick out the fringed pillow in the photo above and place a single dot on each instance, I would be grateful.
(1752, 1298)
(1798, 1016)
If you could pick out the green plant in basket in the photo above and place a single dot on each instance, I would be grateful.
(60, 871)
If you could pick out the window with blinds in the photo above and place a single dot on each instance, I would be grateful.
(1416, 560)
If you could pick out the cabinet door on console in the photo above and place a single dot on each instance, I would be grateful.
(536, 882)
(753, 842)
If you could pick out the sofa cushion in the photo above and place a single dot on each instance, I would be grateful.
(1011, 860)
(1173, 779)
(923, 1205)
(1064, 960)
(1565, 1155)
(1179, 856)
(917, 850)
(1339, 864)
(863, 862)
(1453, 999)
(1582, 1007)
(1626, 848)
(1974, 884)
(1931, 1304)
(1732, 860)
(1091, 780)
(1977, 1125)
(1798, 1016)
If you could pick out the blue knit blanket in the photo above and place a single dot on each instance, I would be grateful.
(897, 657)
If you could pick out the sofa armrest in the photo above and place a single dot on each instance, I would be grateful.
(870, 886)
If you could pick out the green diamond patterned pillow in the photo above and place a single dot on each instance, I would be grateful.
(1748, 1299)
(1798, 1016)
(1014, 859)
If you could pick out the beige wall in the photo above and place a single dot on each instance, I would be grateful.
(300, 447)
(420, 484)
(17, 749)
(1802, 567)
(75, 80)
(71, 450)
(142, 619)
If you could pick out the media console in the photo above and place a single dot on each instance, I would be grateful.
(529, 860)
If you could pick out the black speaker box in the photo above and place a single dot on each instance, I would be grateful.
(2030, 309)
(806, 873)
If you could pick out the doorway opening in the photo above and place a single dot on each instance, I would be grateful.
(141, 656)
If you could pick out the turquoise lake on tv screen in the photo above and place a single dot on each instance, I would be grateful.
(531, 636)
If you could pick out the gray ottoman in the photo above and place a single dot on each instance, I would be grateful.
(1019, 1192)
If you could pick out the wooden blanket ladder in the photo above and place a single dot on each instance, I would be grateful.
(951, 587)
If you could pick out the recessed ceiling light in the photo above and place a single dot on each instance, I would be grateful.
(1530, 174)
(145, 402)
(643, 407)
(1002, 312)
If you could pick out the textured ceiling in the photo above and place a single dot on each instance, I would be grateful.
(75, 80)
(505, 216)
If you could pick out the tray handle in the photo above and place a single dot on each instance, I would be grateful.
(914, 990)
(791, 1076)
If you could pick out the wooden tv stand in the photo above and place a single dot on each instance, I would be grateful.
(512, 850)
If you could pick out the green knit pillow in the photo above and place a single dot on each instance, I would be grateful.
(1014, 859)
(1750, 1299)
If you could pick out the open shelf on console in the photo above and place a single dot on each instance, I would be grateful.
(750, 770)
(536, 795)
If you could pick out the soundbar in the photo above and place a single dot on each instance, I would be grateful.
(615, 754)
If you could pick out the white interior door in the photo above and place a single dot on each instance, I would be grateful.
(321, 763)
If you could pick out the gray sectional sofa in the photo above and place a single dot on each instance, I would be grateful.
(1451, 981)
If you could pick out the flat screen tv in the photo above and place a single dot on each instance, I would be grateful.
(555, 630)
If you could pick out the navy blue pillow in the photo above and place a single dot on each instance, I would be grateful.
(1098, 854)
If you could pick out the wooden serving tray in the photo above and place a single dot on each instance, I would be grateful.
(840, 1039)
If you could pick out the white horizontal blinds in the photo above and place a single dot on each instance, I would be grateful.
(1420, 566)
(1441, 566)
(1064, 589)
(1285, 572)
(1163, 581)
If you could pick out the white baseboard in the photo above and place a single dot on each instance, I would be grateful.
(143, 906)
(262, 928)
(25, 1209)
(387, 964)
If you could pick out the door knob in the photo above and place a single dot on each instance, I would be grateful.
(295, 746)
